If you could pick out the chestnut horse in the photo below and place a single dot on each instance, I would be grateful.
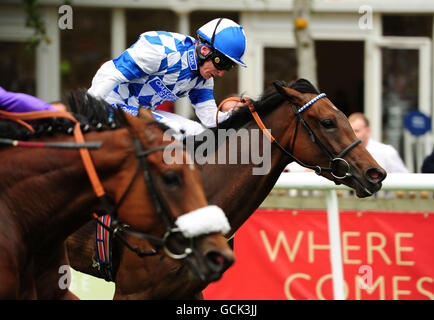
(46, 195)
(306, 128)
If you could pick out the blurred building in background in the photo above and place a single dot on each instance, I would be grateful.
(372, 56)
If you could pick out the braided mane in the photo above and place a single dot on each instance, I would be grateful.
(91, 112)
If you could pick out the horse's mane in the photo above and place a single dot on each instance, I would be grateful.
(92, 113)
(267, 102)
(98, 113)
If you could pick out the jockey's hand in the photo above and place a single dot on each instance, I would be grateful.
(228, 105)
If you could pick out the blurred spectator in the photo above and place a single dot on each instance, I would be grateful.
(386, 155)
(428, 164)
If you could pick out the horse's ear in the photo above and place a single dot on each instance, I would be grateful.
(146, 115)
(292, 95)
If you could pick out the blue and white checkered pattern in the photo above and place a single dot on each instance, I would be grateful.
(160, 66)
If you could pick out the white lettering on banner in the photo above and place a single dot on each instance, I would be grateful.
(423, 291)
(378, 247)
(380, 283)
(281, 239)
(400, 286)
(347, 247)
(278, 246)
(287, 285)
(400, 248)
(375, 242)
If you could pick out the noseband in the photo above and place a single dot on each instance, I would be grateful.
(185, 225)
(117, 227)
(335, 160)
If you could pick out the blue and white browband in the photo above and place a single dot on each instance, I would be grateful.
(311, 102)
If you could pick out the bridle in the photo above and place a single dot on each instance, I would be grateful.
(117, 227)
(334, 159)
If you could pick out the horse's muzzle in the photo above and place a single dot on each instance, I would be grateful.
(218, 263)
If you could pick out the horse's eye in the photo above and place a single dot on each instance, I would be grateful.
(328, 124)
(172, 178)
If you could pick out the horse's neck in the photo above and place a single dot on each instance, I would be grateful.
(51, 196)
(233, 187)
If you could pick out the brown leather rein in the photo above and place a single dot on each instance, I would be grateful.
(78, 136)
(159, 203)
(334, 159)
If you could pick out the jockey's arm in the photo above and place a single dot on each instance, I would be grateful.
(202, 99)
(21, 102)
(140, 60)
(206, 112)
(105, 80)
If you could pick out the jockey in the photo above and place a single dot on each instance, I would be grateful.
(21, 102)
(165, 66)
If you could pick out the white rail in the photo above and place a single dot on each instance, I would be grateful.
(311, 181)
(393, 181)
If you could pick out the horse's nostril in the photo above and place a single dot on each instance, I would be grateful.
(375, 175)
(217, 262)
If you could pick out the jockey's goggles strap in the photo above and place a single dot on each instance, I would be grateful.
(215, 30)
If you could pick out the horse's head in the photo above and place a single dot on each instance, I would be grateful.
(323, 139)
(166, 200)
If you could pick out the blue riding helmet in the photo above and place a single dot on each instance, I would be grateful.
(225, 36)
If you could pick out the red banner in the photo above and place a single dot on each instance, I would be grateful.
(285, 254)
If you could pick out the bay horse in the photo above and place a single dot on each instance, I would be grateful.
(306, 128)
(47, 194)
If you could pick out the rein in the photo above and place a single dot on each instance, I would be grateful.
(335, 159)
(236, 99)
(78, 135)
(99, 191)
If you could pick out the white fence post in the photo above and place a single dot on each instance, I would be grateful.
(335, 245)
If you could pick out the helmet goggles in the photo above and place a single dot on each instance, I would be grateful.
(221, 62)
